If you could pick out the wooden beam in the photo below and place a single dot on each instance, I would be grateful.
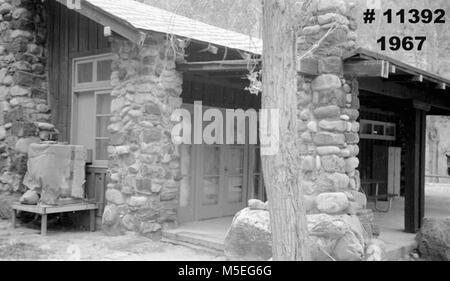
(441, 86)
(117, 25)
(395, 90)
(417, 78)
(218, 66)
(379, 68)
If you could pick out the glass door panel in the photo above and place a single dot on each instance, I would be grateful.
(209, 195)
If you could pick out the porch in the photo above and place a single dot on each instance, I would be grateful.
(211, 234)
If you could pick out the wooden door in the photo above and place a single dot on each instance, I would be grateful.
(210, 183)
(222, 180)
(235, 181)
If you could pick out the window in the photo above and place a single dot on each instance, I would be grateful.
(378, 130)
(92, 72)
(91, 111)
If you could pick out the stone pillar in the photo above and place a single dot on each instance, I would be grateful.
(328, 111)
(24, 110)
(144, 163)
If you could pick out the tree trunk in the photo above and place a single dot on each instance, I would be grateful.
(281, 171)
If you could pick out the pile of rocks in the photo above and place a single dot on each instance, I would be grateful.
(144, 163)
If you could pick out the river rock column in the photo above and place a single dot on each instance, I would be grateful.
(328, 129)
(144, 163)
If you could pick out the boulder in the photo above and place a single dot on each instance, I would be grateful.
(331, 237)
(332, 203)
(434, 239)
(249, 237)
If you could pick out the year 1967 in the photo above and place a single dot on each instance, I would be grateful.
(407, 43)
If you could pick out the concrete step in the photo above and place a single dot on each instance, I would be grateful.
(195, 239)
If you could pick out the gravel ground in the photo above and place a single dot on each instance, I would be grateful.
(26, 244)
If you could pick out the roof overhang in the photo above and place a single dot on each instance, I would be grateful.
(125, 18)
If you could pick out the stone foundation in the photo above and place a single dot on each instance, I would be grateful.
(24, 109)
(144, 163)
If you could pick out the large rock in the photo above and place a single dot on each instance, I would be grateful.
(434, 239)
(331, 237)
(332, 203)
(249, 237)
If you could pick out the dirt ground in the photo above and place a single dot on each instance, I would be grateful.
(26, 244)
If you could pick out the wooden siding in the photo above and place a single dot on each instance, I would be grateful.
(70, 35)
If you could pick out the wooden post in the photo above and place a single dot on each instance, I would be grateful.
(44, 224)
(415, 171)
(14, 217)
(92, 221)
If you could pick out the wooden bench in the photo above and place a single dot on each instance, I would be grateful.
(44, 210)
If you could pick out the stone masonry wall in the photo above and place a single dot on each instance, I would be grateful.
(24, 111)
(328, 111)
(144, 163)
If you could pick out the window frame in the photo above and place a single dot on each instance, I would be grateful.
(97, 87)
(383, 136)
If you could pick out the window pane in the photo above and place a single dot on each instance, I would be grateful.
(390, 130)
(104, 70)
(257, 167)
(185, 192)
(210, 191)
(185, 159)
(378, 130)
(101, 149)
(366, 129)
(103, 104)
(85, 72)
(211, 160)
(102, 127)
(237, 161)
(235, 189)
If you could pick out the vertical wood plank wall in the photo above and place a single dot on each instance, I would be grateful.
(70, 35)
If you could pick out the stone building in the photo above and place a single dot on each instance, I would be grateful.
(109, 75)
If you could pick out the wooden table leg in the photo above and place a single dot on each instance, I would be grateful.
(44, 225)
(14, 218)
(92, 221)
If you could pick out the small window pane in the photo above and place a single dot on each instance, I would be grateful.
(211, 160)
(210, 191)
(257, 167)
(103, 104)
(237, 161)
(235, 189)
(102, 127)
(85, 72)
(390, 131)
(104, 70)
(101, 149)
(366, 129)
(186, 160)
(378, 130)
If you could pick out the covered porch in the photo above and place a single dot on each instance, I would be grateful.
(211, 234)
